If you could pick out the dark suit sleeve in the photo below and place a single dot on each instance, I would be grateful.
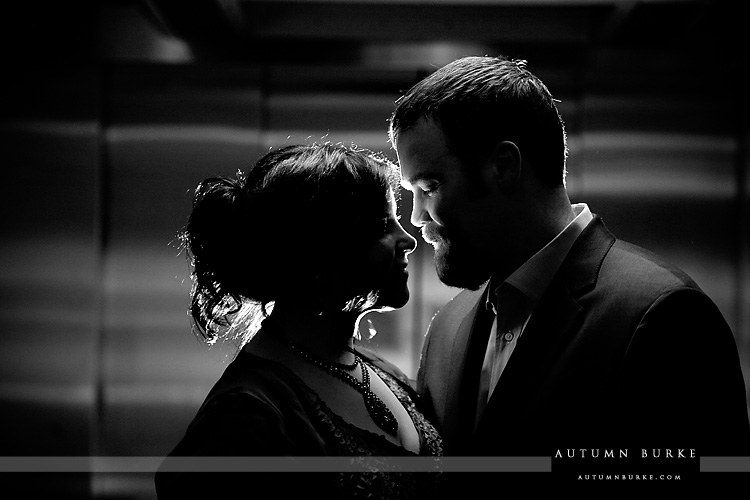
(426, 403)
(681, 384)
(422, 368)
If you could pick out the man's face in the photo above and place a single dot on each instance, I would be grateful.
(451, 204)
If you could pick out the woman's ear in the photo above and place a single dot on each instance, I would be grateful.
(505, 162)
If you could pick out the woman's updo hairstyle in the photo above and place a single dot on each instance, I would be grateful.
(295, 213)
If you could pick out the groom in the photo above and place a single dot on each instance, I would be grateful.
(564, 337)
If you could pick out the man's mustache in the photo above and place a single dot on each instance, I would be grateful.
(432, 234)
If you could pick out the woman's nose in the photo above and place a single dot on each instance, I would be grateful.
(406, 241)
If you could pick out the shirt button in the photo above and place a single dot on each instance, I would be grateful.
(508, 336)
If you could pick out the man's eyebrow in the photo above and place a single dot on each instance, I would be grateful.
(420, 176)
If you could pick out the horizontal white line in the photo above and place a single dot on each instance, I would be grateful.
(312, 464)
(114, 394)
(68, 395)
(275, 464)
(640, 141)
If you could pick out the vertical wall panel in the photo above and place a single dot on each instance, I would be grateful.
(743, 230)
(661, 161)
(49, 266)
(170, 127)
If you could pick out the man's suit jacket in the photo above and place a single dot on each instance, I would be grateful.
(623, 350)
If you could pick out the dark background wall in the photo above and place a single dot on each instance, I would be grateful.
(112, 112)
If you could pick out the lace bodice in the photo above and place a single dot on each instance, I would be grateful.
(348, 440)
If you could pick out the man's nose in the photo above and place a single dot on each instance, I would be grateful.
(419, 215)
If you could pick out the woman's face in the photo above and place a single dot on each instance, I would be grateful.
(383, 266)
(389, 258)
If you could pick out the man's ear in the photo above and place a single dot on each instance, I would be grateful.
(505, 162)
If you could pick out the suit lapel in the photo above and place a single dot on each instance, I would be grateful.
(471, 347)
(554, 323)
(465, 365)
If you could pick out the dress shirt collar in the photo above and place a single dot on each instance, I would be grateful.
(533, 277)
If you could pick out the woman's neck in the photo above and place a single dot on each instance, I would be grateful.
(328, 336)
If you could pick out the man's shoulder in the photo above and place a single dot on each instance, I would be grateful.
(601, 260)
(452, 313)
(627, 263)
(462, 302)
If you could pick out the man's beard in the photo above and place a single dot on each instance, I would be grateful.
(457, 264)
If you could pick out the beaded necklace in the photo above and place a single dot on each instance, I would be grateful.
(380, 413)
